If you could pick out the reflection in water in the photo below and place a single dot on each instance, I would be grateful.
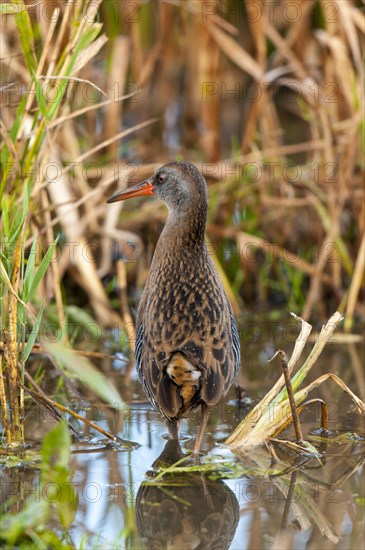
(289, 499)
(185, 512)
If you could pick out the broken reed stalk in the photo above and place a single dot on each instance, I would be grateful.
(271, 416)
(324, 411)
(289, 389)
(15, 434)
(300, 409)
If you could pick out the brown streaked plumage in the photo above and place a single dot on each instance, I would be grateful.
(187, 346)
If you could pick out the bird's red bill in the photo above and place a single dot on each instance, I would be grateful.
(139, 190)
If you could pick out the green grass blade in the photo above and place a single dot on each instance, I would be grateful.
(43, 266)
(33, 335)
(24, 26)
(5, 215)
(11, 9)
(4, 275)
(7, 162)
(40, 98)
(29, 271)
(88, 36)
(85, 371)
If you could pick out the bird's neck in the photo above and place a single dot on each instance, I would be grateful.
(181, 248)
(184, 232)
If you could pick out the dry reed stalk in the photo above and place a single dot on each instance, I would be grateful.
(39, 70)
(109, 231)
(302, 394)
(83, 110)
(82, 187)
(54, 264)
(11, 352)
(298, 32)
(4, 405)
(304, 56)
(137, 60)
(208, 69)
(124, 308)
(357, 367)
(232, 298)
(246, 239)
(356, 282)
(60, 192)
(249, 129)
(269, 417)
(314, 290)
(38, 350)
(53, 407)
(119, 60)
(236, 53)
(111, 140)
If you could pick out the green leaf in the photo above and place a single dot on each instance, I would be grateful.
(87, 37)
(56, 447)
(16, 226)
(86, 372)
(31, 523)
(5, 215)
(79, 315)
(29, 271)
(33, 335)
(40, 272)
(24, 26)
(11, 9)
(85, 40)
(4, 275)
(40, 98)
(56, 452)
(25, 201)
(33, 516)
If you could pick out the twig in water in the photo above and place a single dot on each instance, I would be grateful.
(289, 389)
(47, 402)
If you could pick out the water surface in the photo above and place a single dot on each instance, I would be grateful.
(252, 510)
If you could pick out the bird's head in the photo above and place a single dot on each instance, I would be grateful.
(179, 185)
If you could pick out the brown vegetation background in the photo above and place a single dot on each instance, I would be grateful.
(266, 98)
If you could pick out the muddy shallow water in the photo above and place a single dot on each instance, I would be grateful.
(115, 510)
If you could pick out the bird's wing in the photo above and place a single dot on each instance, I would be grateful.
(155, 381)
(236, 347)
(221, 361)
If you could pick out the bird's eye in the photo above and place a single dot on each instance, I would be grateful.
(161, 178)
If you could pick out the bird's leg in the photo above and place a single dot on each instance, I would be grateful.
(174, 428)
(203, 425)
